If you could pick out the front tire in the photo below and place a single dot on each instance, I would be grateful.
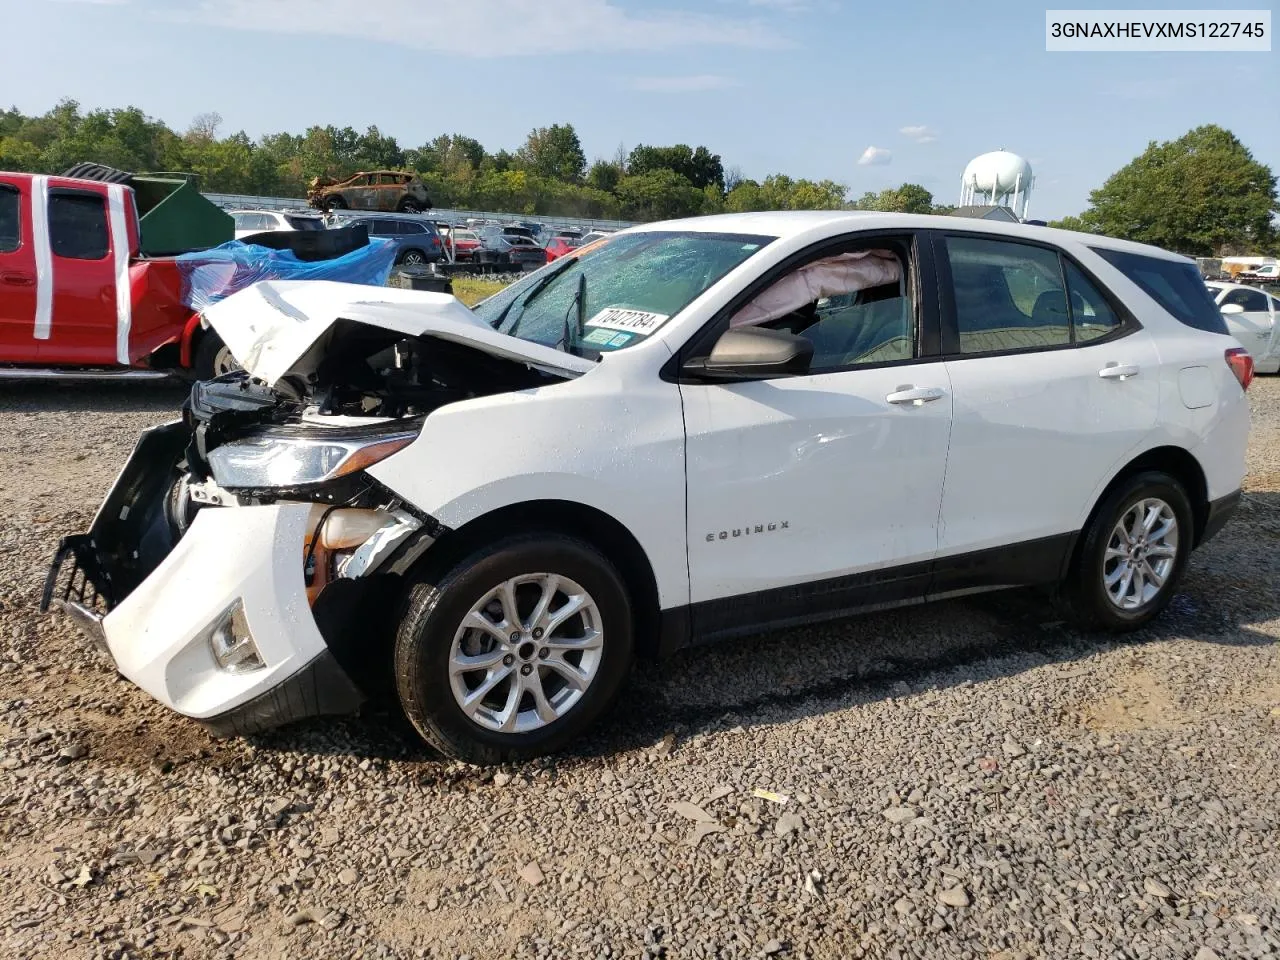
(213, 358)
(1132, 555)
(515, 651)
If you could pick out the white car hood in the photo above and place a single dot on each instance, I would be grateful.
(278, 327)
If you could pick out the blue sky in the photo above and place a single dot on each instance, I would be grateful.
(803, 87)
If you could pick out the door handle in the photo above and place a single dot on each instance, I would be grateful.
(914, 396)
(1118, 371)
(18, 279)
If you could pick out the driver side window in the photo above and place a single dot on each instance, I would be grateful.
(854, 307)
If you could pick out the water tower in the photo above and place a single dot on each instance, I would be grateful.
(1000, 178)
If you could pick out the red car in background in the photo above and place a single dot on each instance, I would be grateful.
(464, 243)
(557, 247)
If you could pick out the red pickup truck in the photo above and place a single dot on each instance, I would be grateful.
(76, 295)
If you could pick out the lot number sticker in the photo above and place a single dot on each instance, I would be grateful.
(628, 321)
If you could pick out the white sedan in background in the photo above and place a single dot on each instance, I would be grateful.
(1251, 316)
(249, 222)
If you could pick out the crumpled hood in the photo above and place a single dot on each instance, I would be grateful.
(278, 327)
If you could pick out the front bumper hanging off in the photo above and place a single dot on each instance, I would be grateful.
(156, 605)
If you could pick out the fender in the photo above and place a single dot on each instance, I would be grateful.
(189, 329)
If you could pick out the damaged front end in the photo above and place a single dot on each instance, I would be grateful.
(242, 567)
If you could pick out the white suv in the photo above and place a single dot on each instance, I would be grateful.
(693, 430)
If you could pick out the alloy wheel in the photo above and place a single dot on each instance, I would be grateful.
(526, 652)
(224, 362)
(1140, 554)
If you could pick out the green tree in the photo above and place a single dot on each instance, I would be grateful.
(1071, 223)
(605, 176)
(658, 195)
(1196, 195)
(700, 167)
(554, 152)
(908, 198)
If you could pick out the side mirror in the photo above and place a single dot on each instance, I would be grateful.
(1231, 308)
(752, 353)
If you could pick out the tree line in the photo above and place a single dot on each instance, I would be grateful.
(1203, 194)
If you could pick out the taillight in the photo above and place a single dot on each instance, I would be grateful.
(1241, 365)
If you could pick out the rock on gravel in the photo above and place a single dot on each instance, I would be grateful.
(1082, 796)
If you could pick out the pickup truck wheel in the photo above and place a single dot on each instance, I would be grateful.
(516, 650)
(213, 358)
(1132, 555)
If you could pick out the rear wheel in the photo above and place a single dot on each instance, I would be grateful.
(336, 202)
(1133, 554)
(516, 650)
(412, 258)
(213, 358)
(409, 205)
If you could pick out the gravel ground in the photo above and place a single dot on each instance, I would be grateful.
(965, 780)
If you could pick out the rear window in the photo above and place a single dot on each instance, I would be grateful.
(305, 223)
(78, 226)
(10, 219)
(1178, 287)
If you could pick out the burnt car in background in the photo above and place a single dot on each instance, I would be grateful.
(381, 190)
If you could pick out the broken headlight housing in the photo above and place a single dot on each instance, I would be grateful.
(278, 459)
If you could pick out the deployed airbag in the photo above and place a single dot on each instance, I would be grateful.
(830, 277)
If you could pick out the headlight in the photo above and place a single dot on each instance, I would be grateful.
(292, 461)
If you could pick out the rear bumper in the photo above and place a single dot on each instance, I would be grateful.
(1220, 511)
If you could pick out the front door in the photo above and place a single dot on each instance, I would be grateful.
(1049, 401)
(815, 495)
(17, 277)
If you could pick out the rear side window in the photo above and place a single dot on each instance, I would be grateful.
(10, 219)
(1251, 300)
(78, 226)
(1008, 296)
(304, 223)
(1091, 314)
(1178, 287)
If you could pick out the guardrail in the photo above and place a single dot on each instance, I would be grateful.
(233, 201)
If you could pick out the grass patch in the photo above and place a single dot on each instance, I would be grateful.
(471, 290)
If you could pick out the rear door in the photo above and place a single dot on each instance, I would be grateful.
(17, 274)
(1054, 385)
(86, 318)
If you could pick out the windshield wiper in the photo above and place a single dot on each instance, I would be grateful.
(580, 303)
(529, 297)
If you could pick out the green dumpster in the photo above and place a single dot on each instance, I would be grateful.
(173, 216)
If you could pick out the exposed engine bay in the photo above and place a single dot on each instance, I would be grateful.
(305, 439)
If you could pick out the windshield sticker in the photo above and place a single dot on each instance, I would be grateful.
(600, 337)
(620, 340)
(631, 321)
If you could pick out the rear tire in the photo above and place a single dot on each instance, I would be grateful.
(410, 206)
(534, 685)
(1132, 555)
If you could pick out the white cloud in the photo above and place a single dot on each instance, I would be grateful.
(692, 84)
(875, 157)
(920, 134)
(490, 28)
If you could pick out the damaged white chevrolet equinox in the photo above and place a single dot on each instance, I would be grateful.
(687, 431)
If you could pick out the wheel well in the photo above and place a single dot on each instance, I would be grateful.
(1180, 465)
(594, 526)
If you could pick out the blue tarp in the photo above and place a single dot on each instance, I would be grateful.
(212, 275)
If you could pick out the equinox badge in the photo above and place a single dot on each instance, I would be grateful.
(749, 531)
